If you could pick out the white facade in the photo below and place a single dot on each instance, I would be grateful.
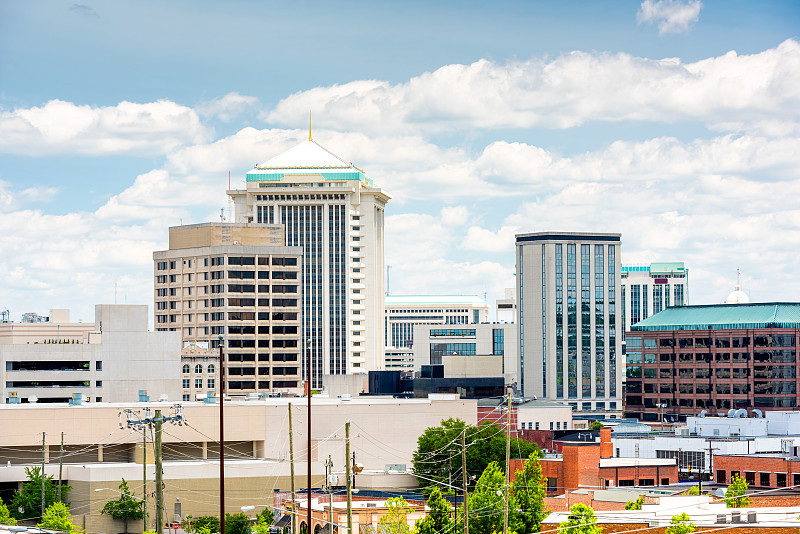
(693, 451)
(110, 361)
(544, 415)
(570, 334)
(405, 311)
(472, 350)
(331, 209)
(648, 289)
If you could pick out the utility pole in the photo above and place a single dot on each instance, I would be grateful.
(159, 481)
(508, 461)
(330, 494)
(464, 478)
(156, 421)
(308, 459)
(291, 469)
(221, 438)
(60, 465)
(43, 453)
(144, 477)
(347, 475)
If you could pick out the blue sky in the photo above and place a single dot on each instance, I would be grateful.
(675, 122)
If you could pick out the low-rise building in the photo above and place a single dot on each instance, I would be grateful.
(705, 512)
(592, 465)
(199, 371)
(469, 351)
(99, 449)
(109, 360)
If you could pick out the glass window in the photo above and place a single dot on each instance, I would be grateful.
(211, 368)
(187, 383)
(198, 369)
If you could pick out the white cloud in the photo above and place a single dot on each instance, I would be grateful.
(230, 106)
(60, 127)
(485, 240)
(556, 94)
(672, 16)
(454, 215)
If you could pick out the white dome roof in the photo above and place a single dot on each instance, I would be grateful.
(737, 296)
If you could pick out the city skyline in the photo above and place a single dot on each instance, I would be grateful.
(674, 123)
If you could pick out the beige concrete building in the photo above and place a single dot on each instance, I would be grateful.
(98, 452)
(469, 351)
(333, 211)
(109, 360)
(236, 281)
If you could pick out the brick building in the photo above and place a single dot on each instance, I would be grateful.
(715, 358)
(758, 470)
(592, 464)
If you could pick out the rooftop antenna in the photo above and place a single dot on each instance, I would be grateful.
(222, 214)
(309, 126)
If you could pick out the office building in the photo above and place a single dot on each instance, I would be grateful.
(713, 358)
(567, 289)
(108, 360)
(403, 312)
(331, 210)
(469, 351)
(648, 289)
(235, 281)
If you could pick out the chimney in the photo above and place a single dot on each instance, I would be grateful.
(606, 447)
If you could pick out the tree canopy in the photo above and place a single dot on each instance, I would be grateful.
(438, 519)
(486, 503)
(529, 490)
(29, 498)
(5, 515)
(736, 494)
(126, 507)
(395, 521)
(57, 517)
(681, 524)
(581, 521)
(437, 459)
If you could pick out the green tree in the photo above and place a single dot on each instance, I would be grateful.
(204, 524)
(487, 502)
(581, 521)
(736, 494)
(126, 507)
(438, 519)
(681, 524)
(529, 489)
(595, 425)
(694, 490)
(57, 517)
(237, 523)
(263, 522)
(5, 516)
(395, 521)
(635, 505)
(29, 498)
(438, 455)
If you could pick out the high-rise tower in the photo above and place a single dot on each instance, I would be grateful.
(568, 289)
(331, 209)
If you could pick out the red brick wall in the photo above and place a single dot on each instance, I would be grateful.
(758, 465)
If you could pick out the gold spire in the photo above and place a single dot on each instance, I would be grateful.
(309, 126)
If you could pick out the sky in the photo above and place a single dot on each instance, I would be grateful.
(673, 122)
